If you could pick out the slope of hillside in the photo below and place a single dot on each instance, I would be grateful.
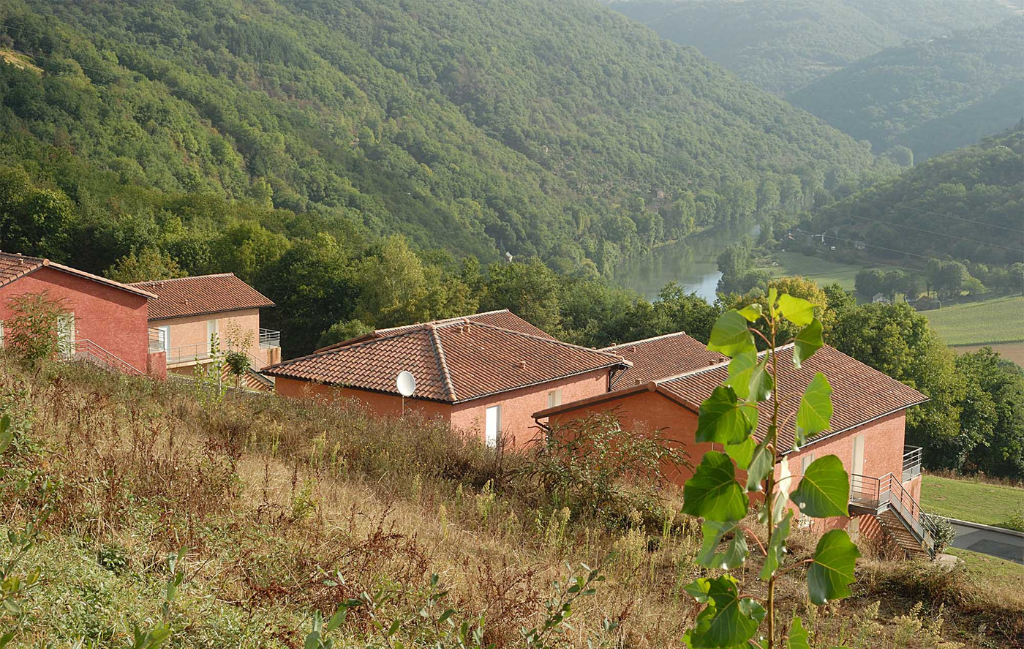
(932, 96)
(965, 204)
(285, 509)
(534, 127)
(781, 45)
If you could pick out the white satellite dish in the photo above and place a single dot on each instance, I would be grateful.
(406, 383)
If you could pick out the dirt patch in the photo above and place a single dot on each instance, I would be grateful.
(1010, 351)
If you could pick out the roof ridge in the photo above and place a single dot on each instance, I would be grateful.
(332, 350)
(443, 321)
(647, 340)
(175, 279)
(442, 363)
(547, 340)
(716, 366)
(18, 255)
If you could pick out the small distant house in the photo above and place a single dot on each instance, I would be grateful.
(485, 373)
(105, 321)
(190, 312)
(867, 433)
(880, 298)
(859, 245)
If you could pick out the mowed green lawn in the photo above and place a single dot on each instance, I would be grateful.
(999, 320)
(992, 570)
(966, 500)
(822, 271)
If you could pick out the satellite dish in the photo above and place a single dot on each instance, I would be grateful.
(406, 383)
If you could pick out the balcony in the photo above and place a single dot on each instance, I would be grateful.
(269, 338)
(911, 462)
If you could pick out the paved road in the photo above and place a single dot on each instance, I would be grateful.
(989, 540)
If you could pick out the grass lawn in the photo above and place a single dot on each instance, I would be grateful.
(822, 271)
(999, 320)
(992, 570)
(970, 501)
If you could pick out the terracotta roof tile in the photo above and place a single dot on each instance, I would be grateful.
(502, 318)
(453, 362)
(860, 393)
(14, 267)
(662, 357)
(201, 295)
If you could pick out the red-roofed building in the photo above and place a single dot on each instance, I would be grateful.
(867, 432)
(106, 321)
(189, 311)
(486, 373)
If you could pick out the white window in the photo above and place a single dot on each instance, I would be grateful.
(555, 398)
(858, 455)
(66, 335)
(803, 521)
(805, 462)
(492, 426)
(165, 338)
(1, 333)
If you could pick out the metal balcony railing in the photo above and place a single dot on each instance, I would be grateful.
(188, 353)
(911, 462)
(269, 338)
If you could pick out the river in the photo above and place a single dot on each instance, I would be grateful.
(691, 263)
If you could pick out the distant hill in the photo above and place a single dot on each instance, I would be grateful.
(781, 45)
(965, 204)
(534, 127)
(931, 96)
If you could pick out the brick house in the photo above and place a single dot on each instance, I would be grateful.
(867, 433)
(106, 320)
(487, 373)
(189, 311)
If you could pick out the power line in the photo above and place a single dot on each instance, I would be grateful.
(945, 216)
(939, 234)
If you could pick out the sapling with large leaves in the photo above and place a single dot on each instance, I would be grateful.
(721, 496)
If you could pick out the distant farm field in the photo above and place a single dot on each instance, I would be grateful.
(999, 320)
(822, 271)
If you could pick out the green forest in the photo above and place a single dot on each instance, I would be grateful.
(582, 139)
(963, 205)
(930, 96)
(781, 45)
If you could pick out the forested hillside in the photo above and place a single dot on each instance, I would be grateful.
(930, 96)
(965, 204)
(535, 127)
(781, 45)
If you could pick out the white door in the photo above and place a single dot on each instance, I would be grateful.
(492, 426)
(858, 455)
(66, 335)
(211, 330)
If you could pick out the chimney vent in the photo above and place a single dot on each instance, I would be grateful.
(522, 365)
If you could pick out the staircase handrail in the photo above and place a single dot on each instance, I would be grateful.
(86, 346)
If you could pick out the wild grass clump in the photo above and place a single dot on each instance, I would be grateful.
(284, 510)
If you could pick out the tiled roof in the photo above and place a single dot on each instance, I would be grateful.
(201, 295)
(860, 393)
(662, 357)
(502, 318)
(454, 361)
(14, 267)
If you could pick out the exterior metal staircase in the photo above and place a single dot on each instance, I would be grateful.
(88, 351)
(896, 511)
